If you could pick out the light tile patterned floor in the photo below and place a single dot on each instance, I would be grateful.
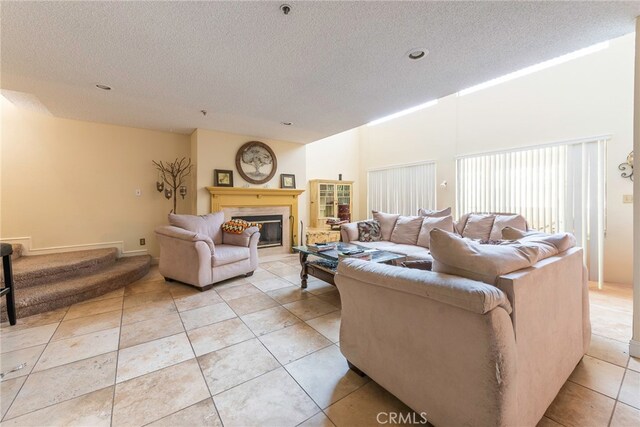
(254, 351)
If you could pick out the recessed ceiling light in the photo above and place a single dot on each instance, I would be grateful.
(286, 123)
(103, 87)
(417, 53)
(285, 8)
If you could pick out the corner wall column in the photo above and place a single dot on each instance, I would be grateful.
(634, 344)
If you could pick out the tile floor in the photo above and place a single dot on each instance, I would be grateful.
(254, 351)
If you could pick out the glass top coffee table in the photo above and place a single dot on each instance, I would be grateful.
(324, 264)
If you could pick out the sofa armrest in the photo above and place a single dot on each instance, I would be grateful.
(551, 324)
(349, 232)
(243, 239)
(186, 235)
(463, 293)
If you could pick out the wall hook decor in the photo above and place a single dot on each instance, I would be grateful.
(171, 178)
(627, 167)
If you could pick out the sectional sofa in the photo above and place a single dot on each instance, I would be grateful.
(409, 235)
(487, 338)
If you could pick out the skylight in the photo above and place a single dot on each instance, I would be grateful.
(403, 112)
(534, 68)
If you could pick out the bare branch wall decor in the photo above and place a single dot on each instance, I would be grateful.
(172, 178)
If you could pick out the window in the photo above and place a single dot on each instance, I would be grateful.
(558, 187)
(402, 189)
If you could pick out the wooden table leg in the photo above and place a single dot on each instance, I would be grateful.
(303, 271)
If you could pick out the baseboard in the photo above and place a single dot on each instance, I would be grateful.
(634, 348)
(28, 249)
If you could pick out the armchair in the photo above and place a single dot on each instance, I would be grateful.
(194, 250)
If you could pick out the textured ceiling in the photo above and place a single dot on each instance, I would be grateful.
(326, 67)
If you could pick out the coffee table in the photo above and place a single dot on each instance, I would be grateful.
(324, 264)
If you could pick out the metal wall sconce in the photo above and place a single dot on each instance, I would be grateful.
(627, 167)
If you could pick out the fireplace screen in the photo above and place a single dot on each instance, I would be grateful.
(271, 231)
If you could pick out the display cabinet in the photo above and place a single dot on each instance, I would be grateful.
(330, 199)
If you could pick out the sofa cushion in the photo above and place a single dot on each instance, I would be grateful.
(382, 245)
(227, 254)
(369, 231)
(478, 226)
(406, 230)
(387, 222)
(561, 241)
(433, 213)
(411, 251)
(429, 223)
(502, 221)
(485, 263)
(209, 224)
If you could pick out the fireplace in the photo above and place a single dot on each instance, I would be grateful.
(271, 231)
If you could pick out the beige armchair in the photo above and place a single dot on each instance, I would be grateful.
(194, 250)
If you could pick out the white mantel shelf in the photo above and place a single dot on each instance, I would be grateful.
(228, 197)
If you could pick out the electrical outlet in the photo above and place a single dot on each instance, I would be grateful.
(143, 242)
(627, 198)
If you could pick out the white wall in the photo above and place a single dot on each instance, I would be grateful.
(634, 344)
(588, 96)
(337, 154)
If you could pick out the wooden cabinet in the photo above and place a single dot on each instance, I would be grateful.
(330, 199)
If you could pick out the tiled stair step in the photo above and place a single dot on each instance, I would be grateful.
(38, 299)
(37, 270)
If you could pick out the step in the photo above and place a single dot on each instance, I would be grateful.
(39, 299)
(36, 270)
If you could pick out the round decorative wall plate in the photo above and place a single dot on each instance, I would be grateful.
(256, 162)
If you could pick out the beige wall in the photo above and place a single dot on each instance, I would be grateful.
(589, 96)
(337, 154)
(68, 182)
(217, 150)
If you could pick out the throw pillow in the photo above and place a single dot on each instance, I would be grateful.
(429, 223)
(369, 231)
(406, 230)
(237, 226)
(485, 263)
(209, 224)
(433, 213)
(560, 241)
(478, 226)
(387, 223)
(502, 221)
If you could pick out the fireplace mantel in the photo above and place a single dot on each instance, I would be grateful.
(233, 197)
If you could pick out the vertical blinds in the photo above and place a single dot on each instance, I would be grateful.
(402, 189)
(556, 188)
(528, 182)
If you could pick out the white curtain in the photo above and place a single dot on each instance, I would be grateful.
(402, 189)
(559, 187)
